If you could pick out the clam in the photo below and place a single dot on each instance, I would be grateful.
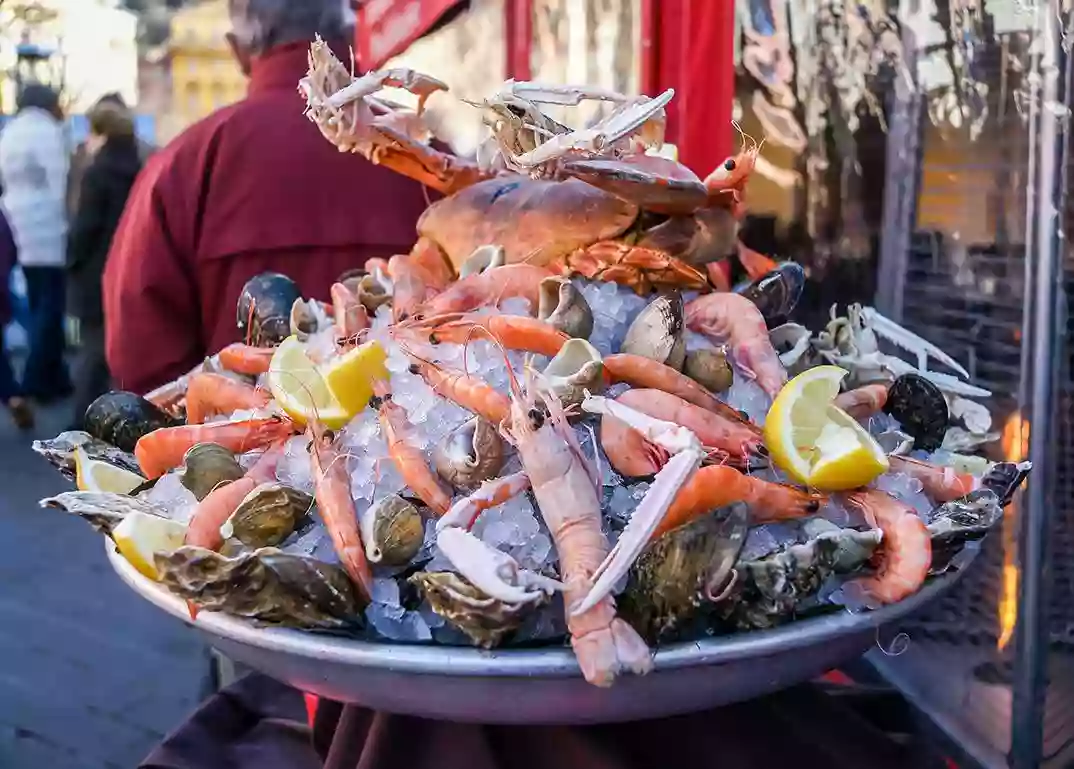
(483, 258)
(710, 368)
(792, 342)
(263, 313)
(562, 305)
(268, 515)
(60, 452)
(372, 293)
(121, 418)
(266, 585)
(658, 332)
(206, 466)
(483, 619)
(921, 409)
(469, 454)
(777, 293)
(102, 510)
(305, 321)
(682, 571)
(392, 530)
(577, 367)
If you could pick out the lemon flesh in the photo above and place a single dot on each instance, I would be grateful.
(351, 377)
(140, 536)
(816, 443)
(94, 475)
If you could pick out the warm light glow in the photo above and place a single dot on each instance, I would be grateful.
(1015, 443)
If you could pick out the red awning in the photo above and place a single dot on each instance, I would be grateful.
(387, 27)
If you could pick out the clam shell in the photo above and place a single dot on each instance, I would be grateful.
(371, 293)
(561, 305)
(577, 367)
(710, 369)
(268, 515)
(469, 454)
(392, 530)
(484, 620)
(206, 466)
(303, 319)
(482, 259)
(658, 332)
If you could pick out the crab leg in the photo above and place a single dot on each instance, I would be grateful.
(909, 341)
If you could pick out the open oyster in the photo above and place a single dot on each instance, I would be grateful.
(60, 452)
(484, 620)
(102, 510)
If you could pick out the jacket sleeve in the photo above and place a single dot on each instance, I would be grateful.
(88, 222)
(152, 316)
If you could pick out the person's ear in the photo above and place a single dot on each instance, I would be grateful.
(241, 55)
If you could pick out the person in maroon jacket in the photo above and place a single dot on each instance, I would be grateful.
(254, 187)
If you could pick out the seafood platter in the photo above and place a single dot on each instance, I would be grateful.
(552, 453)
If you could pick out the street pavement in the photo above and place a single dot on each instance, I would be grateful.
(91, 677)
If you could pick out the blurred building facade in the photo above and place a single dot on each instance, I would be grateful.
(204, 76)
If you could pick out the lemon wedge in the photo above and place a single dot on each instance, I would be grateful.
(817, 443)
(95, 475)
(140, 535)
(332, 394)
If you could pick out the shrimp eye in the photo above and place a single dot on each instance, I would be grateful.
(375, 402)
(329, 436)
(813, 506)
(537, 417)
(413, 369)
(729, 164)
(309, 447)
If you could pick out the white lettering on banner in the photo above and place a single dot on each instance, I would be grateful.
(398, 30)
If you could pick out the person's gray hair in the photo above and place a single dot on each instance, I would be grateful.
(260, 25)
(38, 95)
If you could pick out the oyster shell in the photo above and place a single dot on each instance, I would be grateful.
(102, 510)
(206, 466)
(482, 259)
(266, 585)
(562, 305)
(577, 367)
(60, 452)
(268, 515)
(469, 454)
(710, 368)
(1004, 478)
(392, 530)
(658, 332)
(682, 571)
(484, 620)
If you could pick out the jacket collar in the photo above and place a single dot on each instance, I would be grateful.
(282, 67)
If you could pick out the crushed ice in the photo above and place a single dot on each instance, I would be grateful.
(171, 496)
(388, 617)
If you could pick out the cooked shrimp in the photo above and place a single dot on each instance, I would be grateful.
(164, 448)
(409, 461)
(465, 390)
(628, 451)
(211, 394)
(734, 319)
(514, 332)
(408, 288)
(638, 371)
(488, 495)
(727, 182)
(905, 552)
(756, 264)
(566, 494)
(717, 486)
(488, 288)
(214, 510)
(941, 484)
(351, 317)
(332, 489)
(245, 359)
(863, 401)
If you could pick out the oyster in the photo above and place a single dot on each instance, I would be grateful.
(1004, 478)
(206, 466)
(561, 304)
(683, 570)
(577, 368)
(770, 590)
(959, 521)
(102, 510)
(921, 409)
(483, 258)
(484, 620)
(263, 312)
(392, 530)
(710, 368)
(121, 418)
(658, 332)
(268, 515)
(60, 452)
(469, 454)
(777, 293)
(267, 585)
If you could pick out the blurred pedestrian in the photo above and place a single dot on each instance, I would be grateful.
(33, 171)
(10, 390)
(251, 188)
(81, 157)
(114, 162)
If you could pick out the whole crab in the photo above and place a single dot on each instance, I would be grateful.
(589, 201)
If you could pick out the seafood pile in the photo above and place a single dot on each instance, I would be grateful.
(501, 440)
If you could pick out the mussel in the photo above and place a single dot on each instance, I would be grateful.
(268, 515)
(60, 452)
(482, 259)
(206, 466)
(469, 454)
(921, 409)
(682, 571)
(392, 530)
(658, 332)
(121, 418)
(710, 368)
(266, 585)
(576, 368)
(562, 305)
(484, 620)
(777, 293)
(263, 313)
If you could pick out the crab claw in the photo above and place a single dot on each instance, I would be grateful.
(667, 435)
(909, 341)
(493, 572)
(647, 516)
